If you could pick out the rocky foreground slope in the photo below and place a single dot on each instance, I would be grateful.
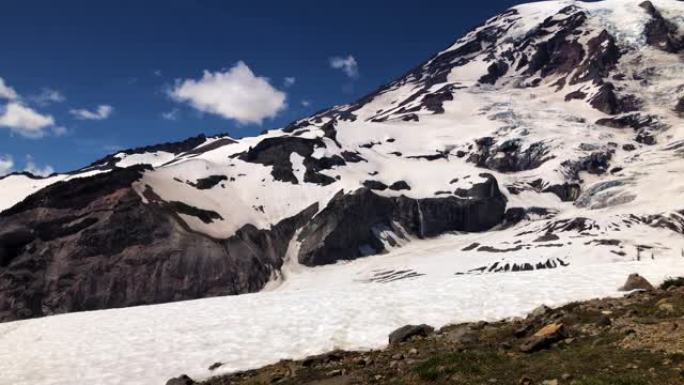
(635, 340)
(560, 119)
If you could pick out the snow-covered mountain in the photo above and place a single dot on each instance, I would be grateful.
(555, 127)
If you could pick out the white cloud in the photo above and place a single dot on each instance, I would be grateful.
(6, 164)
(7, 92)
(306, 103)
(289, 81)
(48, 96)
(348, 65)
(102, 112)
(24, 120)
(233, 94)
(33, 168)
(60, 130)
(171, 115)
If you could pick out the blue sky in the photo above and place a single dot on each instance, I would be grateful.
(81, 79)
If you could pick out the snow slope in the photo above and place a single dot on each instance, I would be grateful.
(315, 311)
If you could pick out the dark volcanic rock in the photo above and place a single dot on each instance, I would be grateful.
(635, 121)
(374, 185)
(606, 100)
(276, 152)
(400, 185)
(602, 57)
(567, 192)
(113, 250)
(645, 137)
(347, 227)
(660, 32)
(509, 156)
(562, 53)
(679, 108)
(209, 182)
(596, 163)
(575, 95)
(407, 332)
(494, 72)
(172, 147)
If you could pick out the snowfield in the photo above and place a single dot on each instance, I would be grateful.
(312, 311)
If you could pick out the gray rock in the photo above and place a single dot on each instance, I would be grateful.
(407, 332)
(637, 282)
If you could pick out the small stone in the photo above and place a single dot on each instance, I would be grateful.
(335, 373)
(525, 381)
(398, 357)
(566, 376)
(413, 351)
(550, 382)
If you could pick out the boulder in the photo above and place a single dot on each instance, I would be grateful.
(637, 282)
(544, 338)
(407, 332)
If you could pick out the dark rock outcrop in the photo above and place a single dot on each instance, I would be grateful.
(607, 101)
(208, 182)
(347, 227)
(679, 108)
(635, 121)
(113, 250)
(399, 185)
(660, 32)
(567, 192)
(275, 152)
(509, 156)
(602, 57)
(171, 147)
(495, 71)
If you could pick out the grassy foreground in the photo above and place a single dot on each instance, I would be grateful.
(634, 340)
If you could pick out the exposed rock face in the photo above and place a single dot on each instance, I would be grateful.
(509, 156)
(606, 100)
(679, 108)
(92, 243)
(276, 152)
(171, 147)
(348, 227)
(660, 32)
